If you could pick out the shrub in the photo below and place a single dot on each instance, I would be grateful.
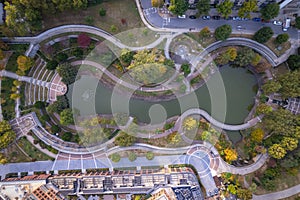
(263, 34)
(51, 65)
(115, 157)
(132, 156)
(102, 12)
(55, 129)
(149, 155)
(223, 32)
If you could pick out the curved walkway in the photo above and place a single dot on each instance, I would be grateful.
(279, 195)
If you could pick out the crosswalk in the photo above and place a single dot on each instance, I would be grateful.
(150, 11)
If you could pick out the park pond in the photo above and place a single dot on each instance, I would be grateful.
(226, 96)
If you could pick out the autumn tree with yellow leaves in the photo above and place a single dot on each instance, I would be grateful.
(24, 63)
(189, 123)
(230, 154)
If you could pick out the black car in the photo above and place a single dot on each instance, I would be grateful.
(192, 17)
(216, 17)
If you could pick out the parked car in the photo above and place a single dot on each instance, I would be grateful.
(236, 18)
(278, 23)
(206, 17)
(192, 17)
(181, 16)
(230, 18)
(256, 19)
(216, 17)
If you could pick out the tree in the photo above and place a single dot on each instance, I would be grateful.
(178, 7)
(39, 104)
(290, 84)
(3, 160)
(271, 86)
(174, 138)
(189, 123)
(125, 140)
(230, 154)
(203, 7)
(149, 155)
(66, 117)
(228, 56)
(293, 62)
(61, 57)
(115, 157)
(132, 156)
(257, 135)
(80, 4)
(157, 3)
(204, 33)
(185, 67)
(113, 28)
(83, 40)
(15, 96)
(24, 63)
(67, 136)
(244, 57)
(67, 72)
(1, 54)
(263, 109)
(51, 65)
(232, 188)
(270, 11)
(244, 194)
(78, 52)
(282, 38)
(55, 129)
(225, 8)
(59, 105)
(13, 19)
(7, 135)
(223, 32)
(289, 143)
(126, 56)
(102, 12)
(247, 8)
(297, 24)
(281, 122)
(263, 34)
(277, 151)
(256, 59)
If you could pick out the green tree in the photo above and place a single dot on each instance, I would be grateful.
(178, 7)
(4, 126)
(263, 34)
(263, 109)
(290, 84)
(55, 129)
(149, 155)
(126, 56)
(247, 8)
(256, 59)
(225, 8)
(67, 136)
(204, 33)
(80, 4)
(228, 56)
(277, 151)
(244, 57)
(270, 11)
(289, 143)
(125, 140)
(244, 194)
(223, 32)
(185, 67)
(271, 86)
(51, 65)
(281, 122)
(113, 28)
(132, 156)
(66, 117)
(203, 7)
(102, 12)
(67, 72)
(297, 24)
(282, 38)
(294, 62)
(115, 157)
(59, 105)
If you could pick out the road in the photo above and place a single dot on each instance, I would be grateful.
(176, 23)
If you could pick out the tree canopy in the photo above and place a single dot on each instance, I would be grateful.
(228, 56)
(223, 32)
(293, 62)
(225, 8)
(24, 63)
(203, 7)
(125, 140)
(270, 11)
(282, 38)
(277, 151)
(66, 117)
(244, 57)
(263, 34)
(67, 72)
(297, 24)
(7, 135)
(178, 7)
(247, 8)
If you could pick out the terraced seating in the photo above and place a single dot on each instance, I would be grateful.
(37, 90)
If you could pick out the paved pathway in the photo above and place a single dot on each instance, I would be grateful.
(279, 195)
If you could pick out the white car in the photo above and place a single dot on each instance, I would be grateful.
(182, 16)
(278, 23)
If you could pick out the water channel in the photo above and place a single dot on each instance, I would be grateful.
(226, 96)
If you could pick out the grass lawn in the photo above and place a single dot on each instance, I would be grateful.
(32, 151)
(284, 47)
(117, 11)
(8, 104)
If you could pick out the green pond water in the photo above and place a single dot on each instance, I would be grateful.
(226, 96)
